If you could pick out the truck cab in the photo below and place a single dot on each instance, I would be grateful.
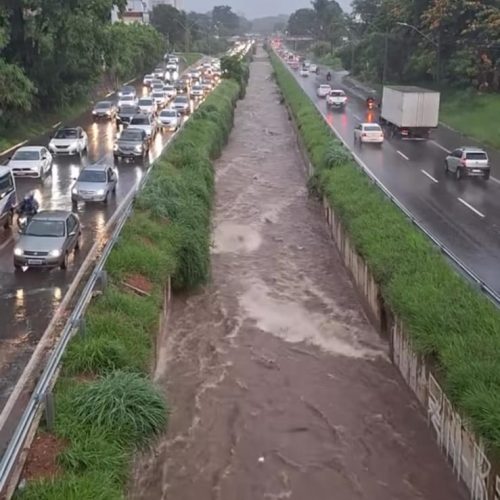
(8, 197)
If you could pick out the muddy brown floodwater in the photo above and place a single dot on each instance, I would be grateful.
(279, 386)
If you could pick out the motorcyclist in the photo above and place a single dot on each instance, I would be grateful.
(370, 102)
(328, 76)
(28, 206)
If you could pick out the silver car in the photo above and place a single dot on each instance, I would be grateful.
(48, 240)
(468, 162)
(95, 183)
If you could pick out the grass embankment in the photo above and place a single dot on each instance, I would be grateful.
(106, 406)
(473, 114)
(41, 123)
(452, 324)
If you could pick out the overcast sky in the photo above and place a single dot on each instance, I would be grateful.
(254, 8)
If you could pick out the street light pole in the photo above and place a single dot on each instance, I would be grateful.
(436, 43)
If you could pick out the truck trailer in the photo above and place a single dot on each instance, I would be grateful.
(409, 112)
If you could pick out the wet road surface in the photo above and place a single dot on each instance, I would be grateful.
(279, 387)
(29, 300)
(464, 216)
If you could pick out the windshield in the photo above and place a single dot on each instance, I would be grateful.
(45, 228)
(325, 87)
(158, 95)
(128, 110)
(146, 102)
(127, 98)
(197, 87)
(131, 135)
(26, 156)
(372, 128)
(168, 87)
(139, 120)
(103, 105)
(67, 133)
(92, 176)
(127, 90)
(181, 99)
(6, 184)
(476, 156)
(168, 113)
(337, 93)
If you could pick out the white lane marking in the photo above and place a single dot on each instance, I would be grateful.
(494, 179)
(470, 207)
(7, 242)
(357, 117)
(402, 155)
(109, 93)
(446, 150)
(429, 175)
(13, 147)
(56, 124)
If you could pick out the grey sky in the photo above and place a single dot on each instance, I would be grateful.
(254, 8)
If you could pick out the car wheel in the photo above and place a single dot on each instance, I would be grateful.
(8, 221)
(64, 262)
(17, 267)
(106, 199)
(458, 173)
(78, 243)
(446, 167)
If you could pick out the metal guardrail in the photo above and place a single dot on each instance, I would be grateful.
(43, 386)
(465, 271)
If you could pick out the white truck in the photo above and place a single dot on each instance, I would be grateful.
(410, 111)
(336, 99)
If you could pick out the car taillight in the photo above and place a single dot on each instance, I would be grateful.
(363, 135)
(463, 162)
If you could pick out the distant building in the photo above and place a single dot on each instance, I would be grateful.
(173, 3)
(136, 11)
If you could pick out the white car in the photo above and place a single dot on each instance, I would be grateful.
(336, 99)
(181, 103)
(323, 90)
(69, 141)
(368, 133)
(197, 91)
(304, 71)
(127, 100)
(30, 161)
(144, 122)
(147, 80)
(171, 66)
(170, 91)
(159, 97)
(147, 105)
(313, 68)
(169, 119)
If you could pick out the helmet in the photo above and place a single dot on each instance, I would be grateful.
(29, 196)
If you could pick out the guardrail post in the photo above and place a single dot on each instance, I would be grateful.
(50, 411)
(82, 327)
(102, 280)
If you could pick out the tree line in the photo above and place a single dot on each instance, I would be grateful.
(446, 42)
(53, 52)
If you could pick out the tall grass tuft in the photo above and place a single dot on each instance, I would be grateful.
(123, 404)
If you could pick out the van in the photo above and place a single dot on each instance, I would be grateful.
(8, 197)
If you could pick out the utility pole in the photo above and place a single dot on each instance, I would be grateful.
(386, 56)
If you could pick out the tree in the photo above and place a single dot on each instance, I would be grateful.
(226, 19)
(302, 23)
(173, 24)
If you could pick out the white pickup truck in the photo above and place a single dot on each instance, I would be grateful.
(336, 99)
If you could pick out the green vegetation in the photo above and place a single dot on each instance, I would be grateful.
(472, 114)
(453, 325)
(106, 406)
(191, 57)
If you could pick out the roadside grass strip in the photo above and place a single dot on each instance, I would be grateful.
(450, 323)
(106, 405)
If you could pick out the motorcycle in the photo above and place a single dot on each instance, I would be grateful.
(24, 215)
(328, 77)
(370, 102)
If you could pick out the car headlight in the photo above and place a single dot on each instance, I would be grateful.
(18, 252)
(94, 112)
(108, 112)
(138, 147)
(55, 253)
(115, 147)
(100, 192)
(73, 145)
(51, 145)
(74, 191)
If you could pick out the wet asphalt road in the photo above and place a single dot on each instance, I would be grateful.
(464, 216)
(28, 300)
(278, 386)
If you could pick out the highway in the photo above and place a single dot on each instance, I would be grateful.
(29, 300)
(464, 215)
